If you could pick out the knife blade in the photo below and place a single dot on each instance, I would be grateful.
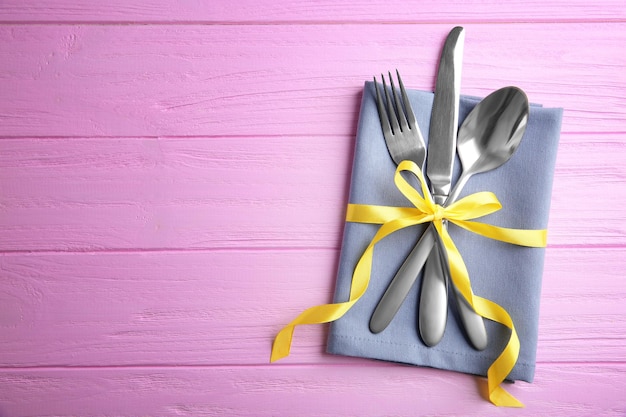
(433, 306)
(444, 118)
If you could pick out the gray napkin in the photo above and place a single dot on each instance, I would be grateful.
(506, 274)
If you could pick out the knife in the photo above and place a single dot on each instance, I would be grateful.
(444, 119)
(433, 306)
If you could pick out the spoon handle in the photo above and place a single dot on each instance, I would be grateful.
(473, 323)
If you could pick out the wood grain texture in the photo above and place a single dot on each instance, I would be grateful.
(288, 80)
(323, 391)
(179, 193)
(173, 180)
(296, 11)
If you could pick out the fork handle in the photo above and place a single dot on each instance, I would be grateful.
(402, 282)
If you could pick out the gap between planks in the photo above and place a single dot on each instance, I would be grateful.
(242, 136)
(295, 22)
(243, 249)
(349, 362)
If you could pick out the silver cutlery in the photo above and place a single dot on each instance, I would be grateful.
(488, 137)
(444, 119)
(404, 142)
(441, 152)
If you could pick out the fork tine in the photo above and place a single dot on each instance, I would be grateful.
(393, 117)
(400, 110)
(407, 105)
(382, 113)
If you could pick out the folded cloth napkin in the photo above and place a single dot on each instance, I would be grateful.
(507, 274)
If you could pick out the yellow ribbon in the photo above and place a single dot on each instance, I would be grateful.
(425, 210)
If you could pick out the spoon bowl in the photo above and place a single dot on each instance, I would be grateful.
(491, 133)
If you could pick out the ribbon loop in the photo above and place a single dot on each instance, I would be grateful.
(392, 219)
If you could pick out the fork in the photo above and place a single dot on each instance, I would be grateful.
(404, 142)
(402, 134)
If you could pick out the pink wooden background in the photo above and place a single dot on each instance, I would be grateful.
(173, 178)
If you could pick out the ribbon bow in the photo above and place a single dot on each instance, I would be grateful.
(425, 210)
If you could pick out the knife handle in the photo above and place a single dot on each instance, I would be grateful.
(402, 282)
(433, 305)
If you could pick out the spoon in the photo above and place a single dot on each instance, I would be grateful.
(487, 138)
(490, 134)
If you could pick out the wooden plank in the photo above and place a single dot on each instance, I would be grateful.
(94, 194)
(155, 307)
(203, 193)
(340, 11)
(582, 302)
(256, 80)
(363, 389)
(225, 307)
(589, 177)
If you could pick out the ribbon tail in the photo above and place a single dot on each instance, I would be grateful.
(314, 315)
(282, 344)
(502, 398)
(330, 312)
(504, 364)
